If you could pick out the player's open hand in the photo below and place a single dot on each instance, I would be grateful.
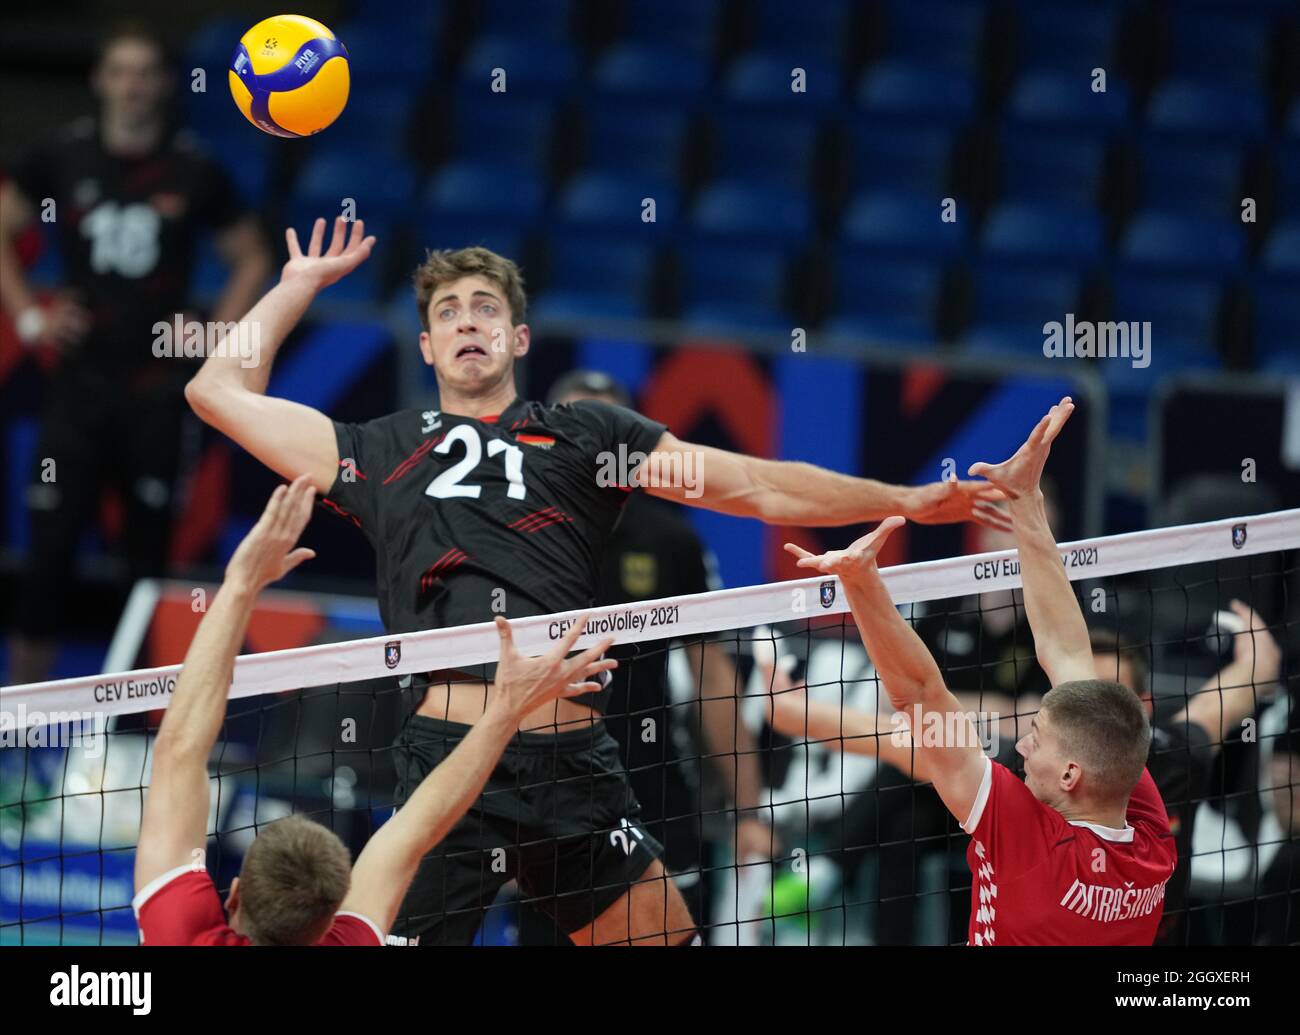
(1019, 476)
(945, 503)
(854, 561)
(321, 269)
(523, 684)
(267, 552)
(1255, 649)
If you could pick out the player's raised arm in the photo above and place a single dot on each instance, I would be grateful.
(388, 863)
(1232, 693)
(782, 492)
(947, 747)
(173, 827)
(1055, 618)
(229, 391)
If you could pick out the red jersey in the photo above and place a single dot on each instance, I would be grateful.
(1039, 879)
(182, 908)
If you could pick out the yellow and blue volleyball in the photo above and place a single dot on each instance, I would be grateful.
(289, 76)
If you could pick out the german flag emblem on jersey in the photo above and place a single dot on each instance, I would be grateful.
(542, 441)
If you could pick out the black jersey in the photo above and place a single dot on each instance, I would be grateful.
(127, 228)
(1180, 761)
(471, 518)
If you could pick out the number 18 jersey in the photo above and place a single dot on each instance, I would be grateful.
(475, 517)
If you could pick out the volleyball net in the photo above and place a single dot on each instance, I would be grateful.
(713, 710)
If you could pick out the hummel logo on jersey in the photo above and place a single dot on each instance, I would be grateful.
(431, 421)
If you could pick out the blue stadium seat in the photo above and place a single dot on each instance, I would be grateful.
(1183, 312)
(905, 225)
(546, 23)
(736, 285)
(653, 70)
(918, 91)
(535, 71)
(633, 137)
(383, 194)
(1063, 236)
(376, 121)
(440, 228)
(1282, 252)
(765, 149)
(1037, 164)
(895, 300)
(1068, 101)
(893, 156)
(595, 275)
(763, 213)
(1186, 175)
(1201, 109)
(947, 32)
(1177, 242)
(1073, 36)
(486, 190)
(503, 128)
(617, 202)
(1013, 302)
(690, 24)
(248, 158)
(805, 31)
(1219, 47)
(378, 56)
(212, 45)
(765, 79)
(1276, 317)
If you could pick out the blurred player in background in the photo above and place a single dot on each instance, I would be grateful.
(296, 886)
(127, 194)
(654, 552)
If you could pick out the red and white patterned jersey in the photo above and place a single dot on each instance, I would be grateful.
(1039, 879)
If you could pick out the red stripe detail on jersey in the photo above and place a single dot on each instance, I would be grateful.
(357, 470)
(441, 566)
(339, 510)
(491, 418)
(562, 519)
(535, 440)
(404, 468)
(532, 517)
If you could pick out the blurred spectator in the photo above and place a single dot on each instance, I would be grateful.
(127, 194)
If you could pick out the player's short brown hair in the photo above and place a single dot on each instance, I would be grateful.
(138, 32)
(294, 878)
(1105, 726)
(444, 265)
(1107, 641)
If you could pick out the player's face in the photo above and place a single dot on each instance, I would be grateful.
(1045, 761)
(131, 80)
(472, 343)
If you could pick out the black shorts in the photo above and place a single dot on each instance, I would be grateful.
(557, 815)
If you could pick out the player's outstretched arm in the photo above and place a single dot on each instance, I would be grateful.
(388, 863)
(781, 492)
(950, 757)
(173, 827)
(228, 392)
(1055, 618)
(1232, 693)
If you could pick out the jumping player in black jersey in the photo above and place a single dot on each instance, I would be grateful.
(126, 194)
(487, 503)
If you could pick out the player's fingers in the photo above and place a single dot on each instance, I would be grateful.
(505, 634)
(317, 238)
(594, 668)
(1059, 415)
(991, 517)
(979, 469)
(294, 559)
(797, 551)
(338, 238)
(591, 654)
(578, 689)
(358, 233)
(571, 637)
(1247, 614)
(291, 239)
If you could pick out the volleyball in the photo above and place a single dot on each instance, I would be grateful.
(289, 76)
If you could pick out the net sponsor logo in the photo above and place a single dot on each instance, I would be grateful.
(20, 727)
(100, 988)
(1238, 536)
(1108, 904)
(827, 593)
(392, 653)
(134, 689)
(636, 620)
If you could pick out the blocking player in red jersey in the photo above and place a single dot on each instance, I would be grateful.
(1080, 852)
(296, 886)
